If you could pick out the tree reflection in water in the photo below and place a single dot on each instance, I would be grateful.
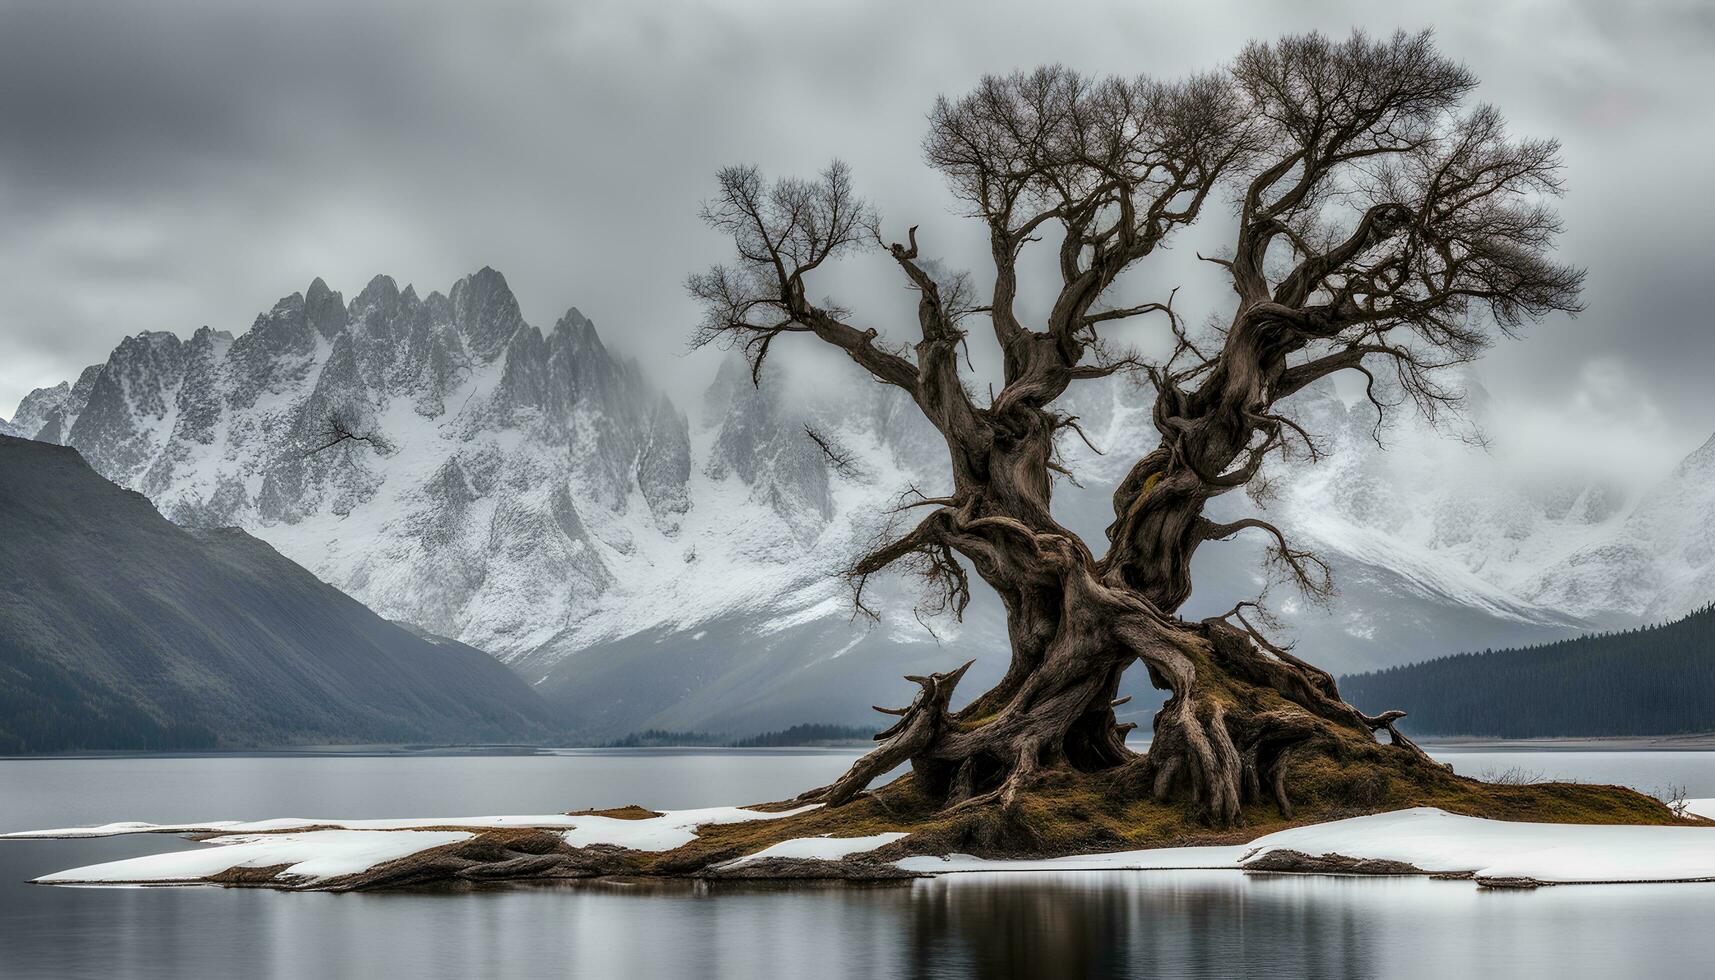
(1213, 924)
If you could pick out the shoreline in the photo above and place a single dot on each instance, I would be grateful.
(1698, 742)
(417, 751)
(339, 856)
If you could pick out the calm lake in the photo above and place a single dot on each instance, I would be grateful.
(1185, 924)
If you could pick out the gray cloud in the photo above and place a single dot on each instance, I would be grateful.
(171, 164)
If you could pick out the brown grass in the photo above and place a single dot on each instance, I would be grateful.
(1073, 813)
(629, 812)
(1063, 812)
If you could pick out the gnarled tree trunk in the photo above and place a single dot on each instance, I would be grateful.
(1238, 707)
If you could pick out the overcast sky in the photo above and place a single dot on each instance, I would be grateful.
(165, 165)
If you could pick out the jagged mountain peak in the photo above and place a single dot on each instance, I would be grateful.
(42, 413)
(516, 479)
(324, 308)
(485, 311)
(48, 414)
(731, 379)
(581, 329)
(381, 288)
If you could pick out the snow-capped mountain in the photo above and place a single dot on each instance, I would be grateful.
(534, 496)
(47, 414)
(1658, 563)
(1459, 520)
(526, 492)
(516, 480)
(1561, 546)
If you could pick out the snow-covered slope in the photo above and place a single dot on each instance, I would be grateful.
(527, 492)
(519, 470)
(1460, 521)
(1656, 564)
(1565, 543)
(520, 476)
(47, 414)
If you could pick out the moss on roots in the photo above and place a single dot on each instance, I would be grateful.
(1061, 812)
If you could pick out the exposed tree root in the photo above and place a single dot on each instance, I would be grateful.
(494, 855)
(1241, 711)
(923, 723)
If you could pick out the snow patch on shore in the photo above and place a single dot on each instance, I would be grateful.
(1433, 841)
(1701, 808)
(358, 845)
(1437, 841)
(673, 828)
(822, 848)
(312, 856)
(551, 821)
(581, 829)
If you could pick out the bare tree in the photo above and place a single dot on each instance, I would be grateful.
(338, 428)
(1382, 225)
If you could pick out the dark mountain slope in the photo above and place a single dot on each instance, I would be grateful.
(1656, 680)
(119, 629)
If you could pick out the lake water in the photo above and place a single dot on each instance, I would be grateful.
(1184, 924)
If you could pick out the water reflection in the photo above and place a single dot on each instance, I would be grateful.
(1129, 924)
(1115, 924)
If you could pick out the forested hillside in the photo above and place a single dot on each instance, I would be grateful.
(1655, 680)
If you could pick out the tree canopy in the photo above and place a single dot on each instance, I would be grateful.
(1380, 223)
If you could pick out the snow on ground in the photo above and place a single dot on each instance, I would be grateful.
(312, 856)
(662, 833)
(674, 828)
(1431, 840)
(358, 845)
(1434, 841)
(547, 822)
(1438, 841)
(822, 848)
